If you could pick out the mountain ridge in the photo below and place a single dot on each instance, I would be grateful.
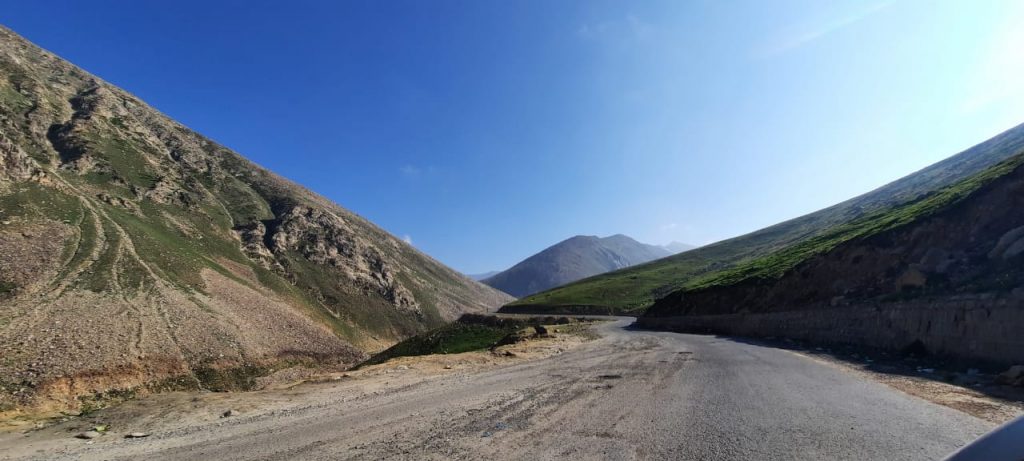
(571, 259)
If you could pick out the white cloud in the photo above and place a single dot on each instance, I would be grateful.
(410, 171)
(810, 34)
(407, 239)
(668, 227)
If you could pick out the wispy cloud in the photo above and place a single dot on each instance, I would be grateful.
(407, 239)
(410, 171)
(668, 227)
(809, 34)
(628, 27)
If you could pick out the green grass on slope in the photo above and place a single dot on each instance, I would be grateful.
(766, 253)
(454, 338)
(776, 264)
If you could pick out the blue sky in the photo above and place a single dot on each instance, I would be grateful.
(485, 131)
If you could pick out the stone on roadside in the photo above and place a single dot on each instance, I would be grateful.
(136, 435)
(229, 413)
(88, 435)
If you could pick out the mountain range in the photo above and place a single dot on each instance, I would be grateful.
(573, 259)
(135, 252)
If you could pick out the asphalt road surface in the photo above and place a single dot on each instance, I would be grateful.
(629, 395)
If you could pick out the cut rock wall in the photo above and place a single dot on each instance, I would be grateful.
(976, 328)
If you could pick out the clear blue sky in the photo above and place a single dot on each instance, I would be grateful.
(487, 130)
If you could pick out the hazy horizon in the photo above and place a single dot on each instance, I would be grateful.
(484, 132)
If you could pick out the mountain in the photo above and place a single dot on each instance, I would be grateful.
(634, 289)
(678, 247)
(944, 272)
(572, 259)
(485, 275)
(137, 254)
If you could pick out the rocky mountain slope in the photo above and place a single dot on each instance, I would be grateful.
(134, 252)
(573, 259)
(957, 254)
(635, 289)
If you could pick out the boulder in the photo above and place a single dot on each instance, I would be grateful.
(1012, 377)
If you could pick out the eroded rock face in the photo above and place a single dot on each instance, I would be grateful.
(327, 239)
(15, 165)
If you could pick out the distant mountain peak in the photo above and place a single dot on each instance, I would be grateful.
(678, 247)
(572, 259)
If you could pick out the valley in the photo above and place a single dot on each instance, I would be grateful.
(164, 297)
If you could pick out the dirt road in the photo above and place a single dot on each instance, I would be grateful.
(629, 395)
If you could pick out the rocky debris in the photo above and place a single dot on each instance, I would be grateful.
(88, 435)
(136, 435)
(1012, 377)
(327, 239)
(229, 413)
(169, 193)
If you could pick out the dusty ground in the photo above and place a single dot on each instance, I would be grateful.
(628, 395)
(178, 411)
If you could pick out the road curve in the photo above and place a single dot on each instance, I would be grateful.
(629, 395)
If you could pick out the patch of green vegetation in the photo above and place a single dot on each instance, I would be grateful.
(7, 287)
(774, 249)
(127, 159)
(474, 332)
(179, 256)
(118, 122)
(33, 200)
(89, 404)
(449, 339)
(241, 378)
(244, 204)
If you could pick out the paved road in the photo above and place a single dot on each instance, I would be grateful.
(629, 395)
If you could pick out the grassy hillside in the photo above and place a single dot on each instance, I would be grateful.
(634, 289)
